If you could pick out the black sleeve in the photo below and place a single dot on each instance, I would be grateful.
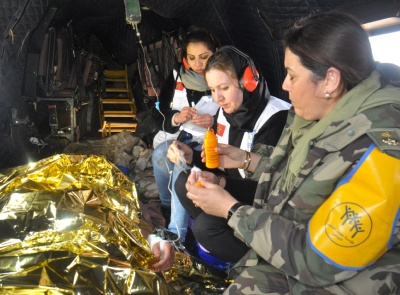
(197, 160)
(242, 189)
(271, 131)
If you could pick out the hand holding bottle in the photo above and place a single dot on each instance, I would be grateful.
(211, 198)
(233, 157)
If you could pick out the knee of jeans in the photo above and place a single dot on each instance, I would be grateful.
(160, 151)
(159, 156)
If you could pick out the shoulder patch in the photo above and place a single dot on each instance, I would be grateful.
(385, 138)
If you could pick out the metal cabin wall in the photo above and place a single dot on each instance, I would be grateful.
(17, 20)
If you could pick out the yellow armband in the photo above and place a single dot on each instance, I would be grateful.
(353, 227)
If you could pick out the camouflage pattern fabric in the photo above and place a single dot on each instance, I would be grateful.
(281, 260)
(142, 175)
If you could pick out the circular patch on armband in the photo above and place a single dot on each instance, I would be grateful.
(348, 225)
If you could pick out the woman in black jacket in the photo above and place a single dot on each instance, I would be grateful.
(248, 115)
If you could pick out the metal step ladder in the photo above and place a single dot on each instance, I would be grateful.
(117, 104)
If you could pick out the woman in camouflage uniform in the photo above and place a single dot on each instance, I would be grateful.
(325, 218)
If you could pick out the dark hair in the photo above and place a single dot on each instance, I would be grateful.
(332, 39)
(222, 61)
(199, 35)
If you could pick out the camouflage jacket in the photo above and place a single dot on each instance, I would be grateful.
(275, 227)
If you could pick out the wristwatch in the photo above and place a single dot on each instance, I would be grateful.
(234, 209)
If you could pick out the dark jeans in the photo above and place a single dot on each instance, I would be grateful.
(212, 232)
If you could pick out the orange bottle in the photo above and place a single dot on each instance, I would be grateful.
(210, 145)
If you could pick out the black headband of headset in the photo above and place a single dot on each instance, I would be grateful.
(240, 60)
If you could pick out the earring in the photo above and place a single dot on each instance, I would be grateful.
(327, 96)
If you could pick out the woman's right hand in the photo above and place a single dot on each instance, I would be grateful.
(229, 156)
(233, 157)
(186, 114)
(211, 198)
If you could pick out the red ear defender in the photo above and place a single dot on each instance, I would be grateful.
(249, 79)
(185, 64)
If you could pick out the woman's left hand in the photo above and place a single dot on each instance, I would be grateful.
(176, 149)
(210, 177)
(168, 260)
(205, 120)
(211, 198)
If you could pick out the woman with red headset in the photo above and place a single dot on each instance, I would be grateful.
(186, 105)
(185, 100)
(248, 115)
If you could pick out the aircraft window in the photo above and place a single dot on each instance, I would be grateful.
(386, 47)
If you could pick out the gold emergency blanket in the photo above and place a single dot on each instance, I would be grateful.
(70, 224)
